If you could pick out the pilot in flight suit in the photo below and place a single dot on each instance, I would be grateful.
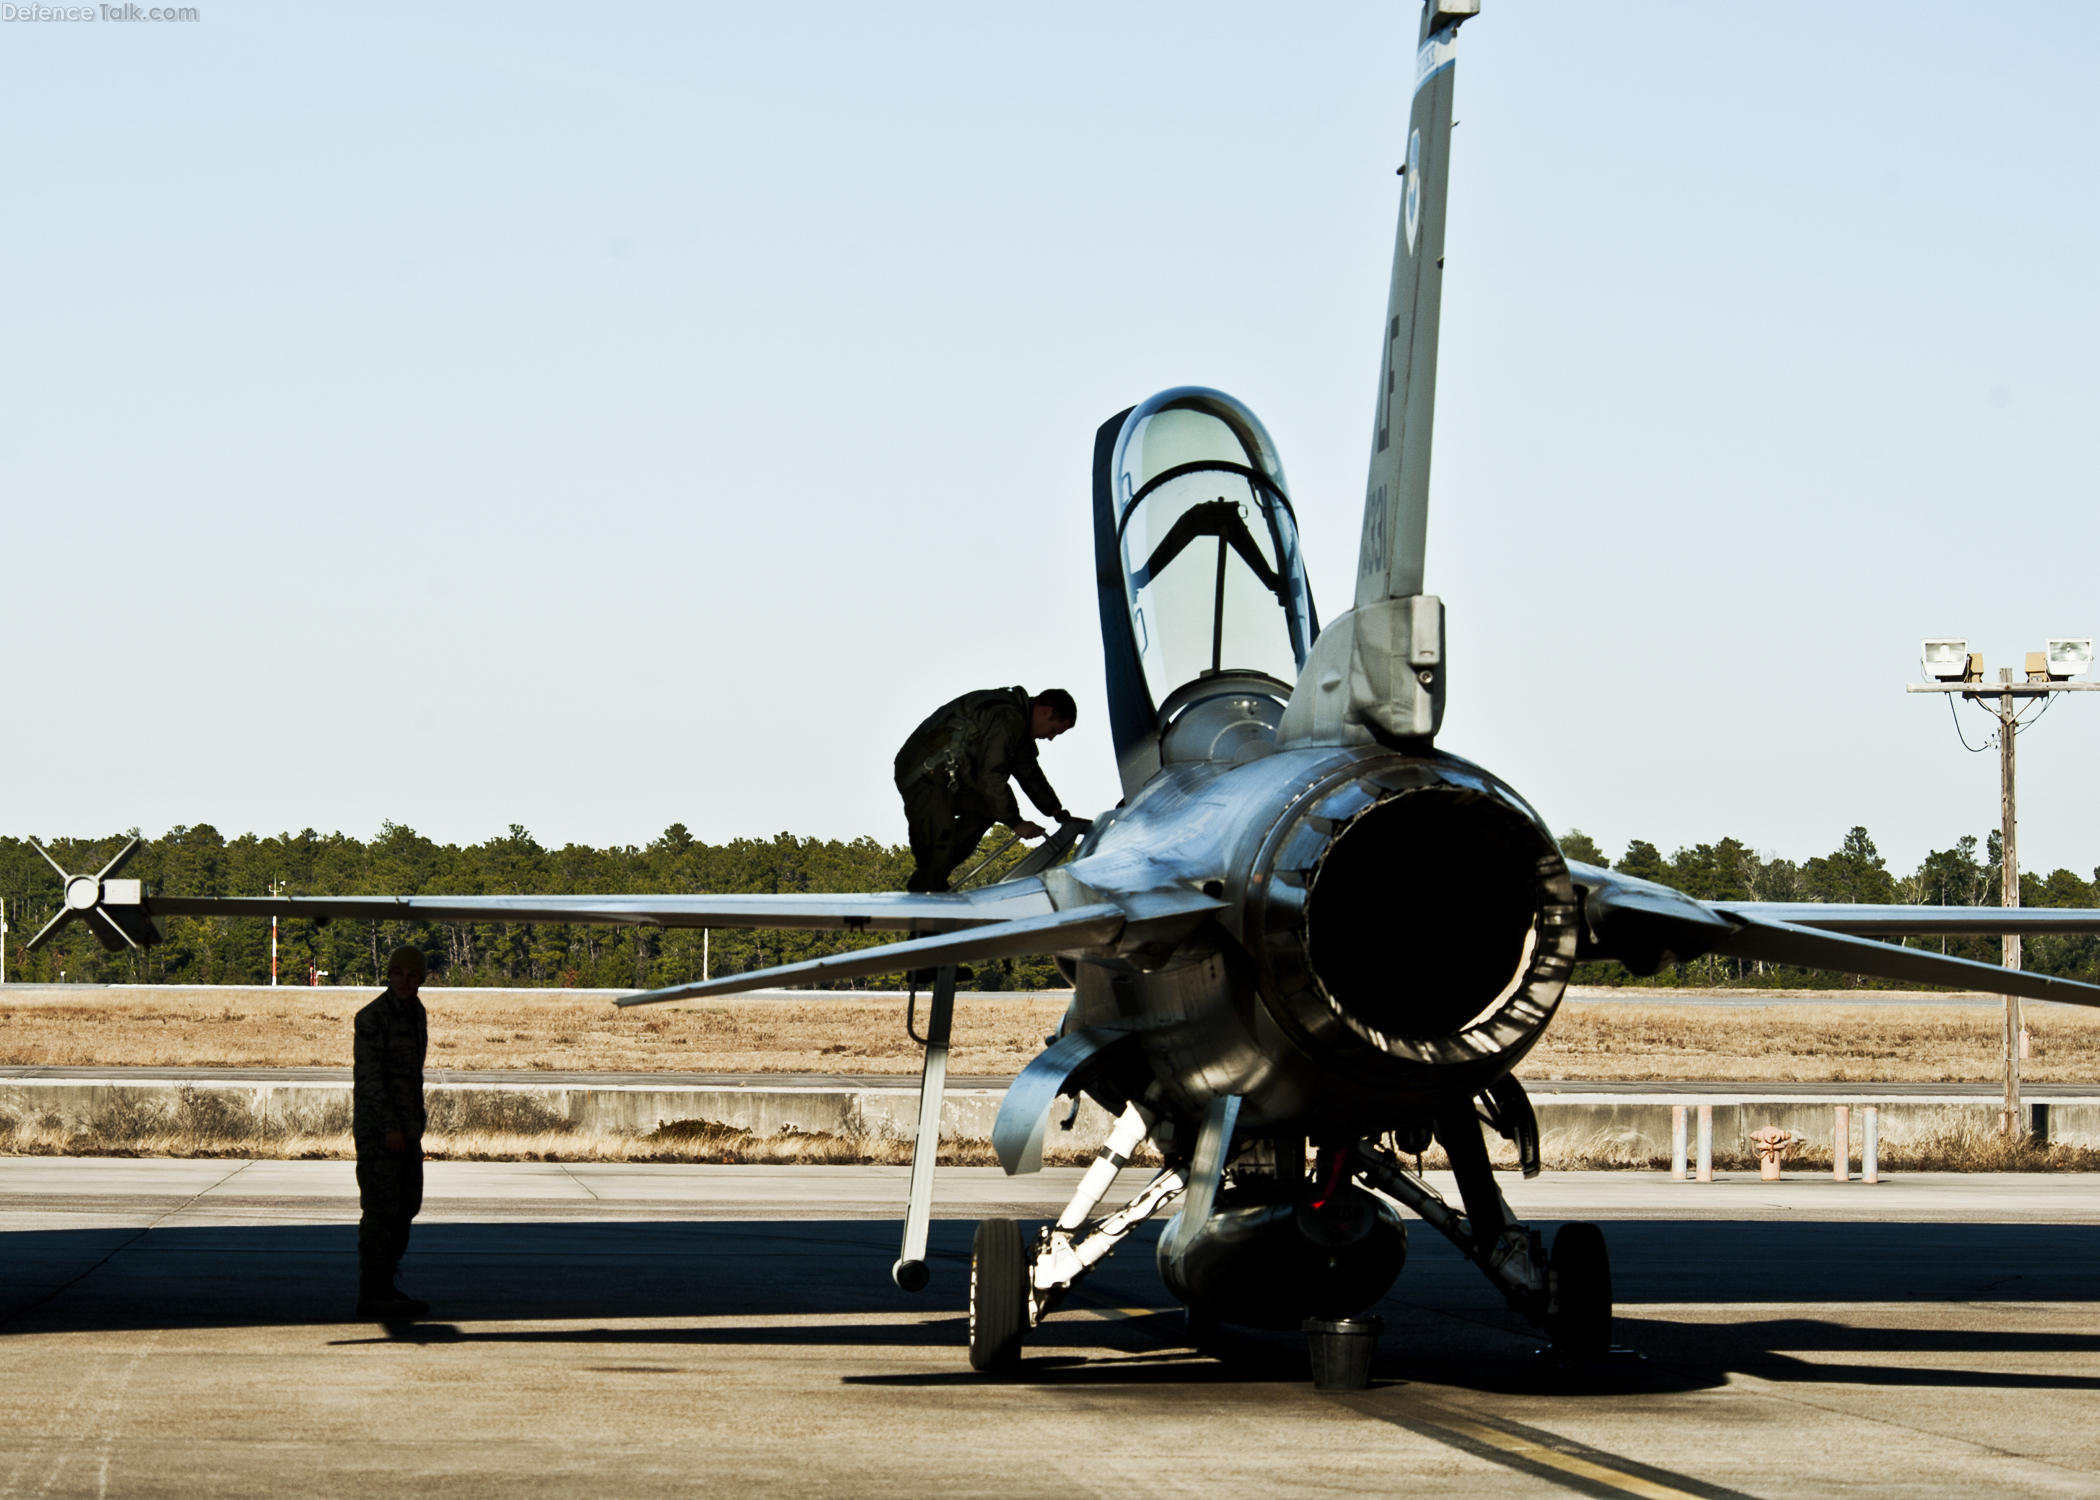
(952, 774)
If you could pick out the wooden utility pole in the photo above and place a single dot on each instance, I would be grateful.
(2011, 1121)
(2046, 673)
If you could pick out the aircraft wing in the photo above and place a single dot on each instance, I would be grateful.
(1114, 915)
(880, 911)
(1645, 926)
(121, 914)
(1132, 902)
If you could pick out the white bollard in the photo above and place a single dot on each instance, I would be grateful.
(1870, 1148)
(1706, 1143)
(1841, 1153)
(1677, 1172)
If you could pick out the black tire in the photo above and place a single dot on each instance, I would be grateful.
(1578, 1312)
(998, 1295)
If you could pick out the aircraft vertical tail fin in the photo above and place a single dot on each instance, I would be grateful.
(1377, 673)
(1396, 498)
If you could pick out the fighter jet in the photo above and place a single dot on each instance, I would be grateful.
(1310, 940)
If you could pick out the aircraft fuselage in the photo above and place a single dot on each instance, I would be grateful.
(1397, 929)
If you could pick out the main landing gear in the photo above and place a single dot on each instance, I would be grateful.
(1568, 1293)
(1013, 1286)
(998, 1295)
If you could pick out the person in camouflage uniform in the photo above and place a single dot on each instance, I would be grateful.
(392, 1035)
(952, 774)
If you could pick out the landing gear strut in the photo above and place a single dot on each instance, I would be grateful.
(1568, 1292)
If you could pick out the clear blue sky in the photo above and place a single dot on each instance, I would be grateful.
(595, 417)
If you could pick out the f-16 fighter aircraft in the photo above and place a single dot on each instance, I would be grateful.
(1308, 932)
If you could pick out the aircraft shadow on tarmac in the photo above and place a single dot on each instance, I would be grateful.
(1443, 1323)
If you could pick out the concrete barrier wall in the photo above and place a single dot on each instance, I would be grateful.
(1631, 1127)
(243, 1110)
(1615, 1127)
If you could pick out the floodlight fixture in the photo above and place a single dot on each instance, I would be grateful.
(2067, 659)
(1946, 661)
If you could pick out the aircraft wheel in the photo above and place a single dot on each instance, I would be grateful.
(998, 1295)
(1578, 1316)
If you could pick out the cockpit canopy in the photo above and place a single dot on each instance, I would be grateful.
(1209, 545)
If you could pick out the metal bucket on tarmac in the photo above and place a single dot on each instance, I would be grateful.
(1341, 1351)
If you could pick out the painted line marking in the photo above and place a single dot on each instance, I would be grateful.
(1545, 1455)
(1632, 1484)
(1110, 1312)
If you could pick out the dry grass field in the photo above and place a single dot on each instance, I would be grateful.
(1594, 1038)
(994, 1035)
(1812, 1043)
(512, 1029)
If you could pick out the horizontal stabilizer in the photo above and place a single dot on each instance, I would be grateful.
(1785, 943)
(1917, 921)
(1083, 926)
(1647, 927)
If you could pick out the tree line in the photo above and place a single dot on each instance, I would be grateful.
(200, 861)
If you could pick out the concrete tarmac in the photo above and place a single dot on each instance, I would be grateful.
(183, 1328)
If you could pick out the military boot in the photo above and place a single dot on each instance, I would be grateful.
(378, 1297)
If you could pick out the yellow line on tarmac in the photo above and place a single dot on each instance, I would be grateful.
(1440, 1419)
(1553, 1458)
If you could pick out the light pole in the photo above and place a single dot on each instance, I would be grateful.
(1956, 669)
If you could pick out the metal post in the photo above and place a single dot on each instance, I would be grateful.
(910, 1271)
(1841, 1157)
(1870, 1148)
(1677, 1173)
(1706, 1143)
(706, 953)
(2014, 1122)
